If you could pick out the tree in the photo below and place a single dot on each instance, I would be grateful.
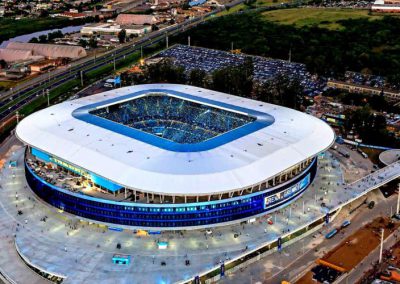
(3, 63)
(235, 80)
(43, 14)
(394, 80)
(282, 89)
(54, 35)
(93, 42)
(154, 28)
(122, 36)
(42, 38)
(165, 72)
(34, 40)
(197, 77)
(83, 43)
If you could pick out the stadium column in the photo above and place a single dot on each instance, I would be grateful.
(126, 193)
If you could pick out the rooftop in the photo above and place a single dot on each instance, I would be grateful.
(276, 140)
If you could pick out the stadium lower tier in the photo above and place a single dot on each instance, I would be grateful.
(172, 216)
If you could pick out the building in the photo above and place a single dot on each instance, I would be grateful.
(73, 15)
(50, 51)
(167, 156)
(361, 89)
(387, 6)
(18, 55)
(44, 65)
(114, 29)
(135, 19)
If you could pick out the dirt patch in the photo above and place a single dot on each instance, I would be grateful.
(306, 279)
(352, 250)
(356, 247)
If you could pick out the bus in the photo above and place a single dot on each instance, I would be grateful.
(121, 259)
(345, 223)
(331, 234)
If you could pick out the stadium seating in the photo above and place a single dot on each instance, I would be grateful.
(173, 118)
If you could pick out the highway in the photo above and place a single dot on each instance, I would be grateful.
(15, 99)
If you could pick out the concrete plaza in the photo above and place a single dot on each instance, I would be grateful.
(82, 252)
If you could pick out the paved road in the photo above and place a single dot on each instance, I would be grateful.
(366, 264)
(43, 242)
(301, 256)
(27, 91)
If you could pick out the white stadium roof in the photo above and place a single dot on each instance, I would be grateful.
(241, 163)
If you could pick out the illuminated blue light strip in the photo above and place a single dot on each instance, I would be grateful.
(169, 205)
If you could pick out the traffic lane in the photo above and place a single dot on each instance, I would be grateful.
(84, 62)
(292, 262)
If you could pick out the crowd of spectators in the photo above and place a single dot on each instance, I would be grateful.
(210, 60)
(174, 119)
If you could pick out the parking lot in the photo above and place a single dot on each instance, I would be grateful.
(211, 60)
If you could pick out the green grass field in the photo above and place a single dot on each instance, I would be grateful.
(323, 18)
(258, 4)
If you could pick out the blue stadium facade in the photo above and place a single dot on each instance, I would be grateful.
(170, 157)
(171, 215)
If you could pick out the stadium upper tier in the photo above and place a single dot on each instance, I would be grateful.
(176, 139)
(173, 118)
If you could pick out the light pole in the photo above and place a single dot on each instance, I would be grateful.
(81, 78)
(48, 97)
(381, 249)
(398, 198)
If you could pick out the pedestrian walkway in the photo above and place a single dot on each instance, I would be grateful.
(63, 244)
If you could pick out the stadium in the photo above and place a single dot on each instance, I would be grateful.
(170, 157)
